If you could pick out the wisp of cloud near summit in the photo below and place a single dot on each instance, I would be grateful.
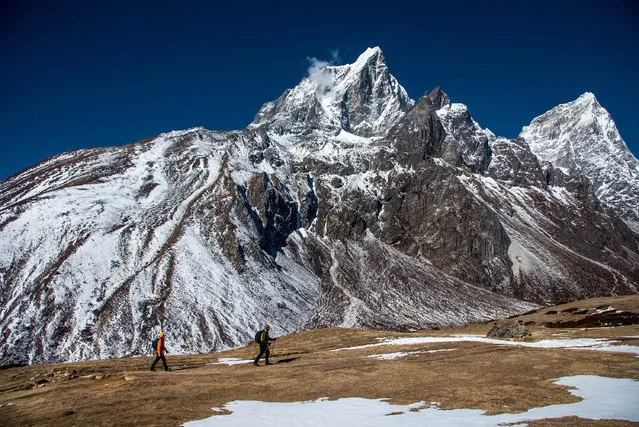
(318, 74)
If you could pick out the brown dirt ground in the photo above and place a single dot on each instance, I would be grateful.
(496, 379)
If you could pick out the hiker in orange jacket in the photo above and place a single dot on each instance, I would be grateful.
(160, 349)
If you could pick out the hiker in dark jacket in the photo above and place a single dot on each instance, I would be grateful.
(160, 349)
(264, 340)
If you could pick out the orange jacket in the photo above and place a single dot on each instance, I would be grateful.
(161, 348)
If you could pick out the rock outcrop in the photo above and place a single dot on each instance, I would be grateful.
(509, 330)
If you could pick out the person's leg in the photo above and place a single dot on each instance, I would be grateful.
(263, 348)
(157, 359)
(267, 355)
(166, 368)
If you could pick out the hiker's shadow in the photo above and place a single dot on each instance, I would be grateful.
(289, 360)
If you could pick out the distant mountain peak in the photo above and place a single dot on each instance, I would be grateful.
(587, 100)
(581, 137)
(562, 133)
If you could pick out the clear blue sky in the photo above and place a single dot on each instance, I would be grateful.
(76, 76)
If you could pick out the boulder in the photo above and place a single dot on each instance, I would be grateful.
(508, 330)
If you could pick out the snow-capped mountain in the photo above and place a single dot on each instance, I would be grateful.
(343, 203)
(362, 99)
(580, 137)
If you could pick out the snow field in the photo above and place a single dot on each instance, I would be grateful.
(231, 361)
(595, 344)
(400, 354)
(603, 398)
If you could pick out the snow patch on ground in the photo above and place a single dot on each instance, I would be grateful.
(400, 354)
(231, 361)
(603, 398)
(598, 344)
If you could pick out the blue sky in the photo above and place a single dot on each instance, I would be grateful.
(76, 76)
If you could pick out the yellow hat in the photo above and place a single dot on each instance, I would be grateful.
(161, 334)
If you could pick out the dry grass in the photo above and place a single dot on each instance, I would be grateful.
(476, 375)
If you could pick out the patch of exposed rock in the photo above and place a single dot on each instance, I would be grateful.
(508, 330)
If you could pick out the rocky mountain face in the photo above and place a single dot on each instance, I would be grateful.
(343, 203)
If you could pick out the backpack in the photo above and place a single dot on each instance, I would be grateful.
(258, 337)
(154, 345)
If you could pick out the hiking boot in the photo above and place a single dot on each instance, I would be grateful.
(255, 363)
(152, 369)
(268, 363)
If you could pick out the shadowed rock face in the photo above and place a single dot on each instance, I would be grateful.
(419, 134)
(516, 164)
(350, 206)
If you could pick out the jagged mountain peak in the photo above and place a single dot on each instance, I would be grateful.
(370, 55)
(586, 102)
(361, 98)
(580, 137)
(570, 134)
(371, 51)
(587, 97)
(439, 98)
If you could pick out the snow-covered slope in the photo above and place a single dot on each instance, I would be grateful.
(580, 137)
(101, 248)
(343, 203)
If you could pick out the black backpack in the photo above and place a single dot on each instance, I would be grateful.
(154, 345)
(258, 337)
